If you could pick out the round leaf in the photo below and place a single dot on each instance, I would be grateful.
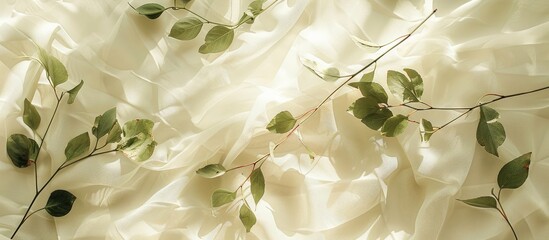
(365, 106)
(60, 203)
(374, 90)
(137, 141)
(77, 146)
(31, 117)
(394, 125)
(55, 70)
(514, 173)
(211, 171)
(481, 202)
(247, 217)
(376, 120)
(221, 197)
(282, 122)
(490, 132)
(21, 150)
(218, 39)
(151, 10)
(186, 28)
(257, 184)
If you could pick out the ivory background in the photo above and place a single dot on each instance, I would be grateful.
(214, 108)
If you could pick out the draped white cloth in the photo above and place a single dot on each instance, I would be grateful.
(214, 108)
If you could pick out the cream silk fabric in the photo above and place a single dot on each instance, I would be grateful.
(214, 109)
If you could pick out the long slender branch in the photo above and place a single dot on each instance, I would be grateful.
(502, 212)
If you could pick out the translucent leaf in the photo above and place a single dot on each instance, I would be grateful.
(55, 70)
(137, 141)
(425, 130)
(365, 106)
(257, 182)
(490, 132)
(60, 203)
(366, 78)
(211, 171)
(482, 202)
(247, 17)
(377, 119)
(115, 135)
(21, 150)
(401, 87)
(282, 122)
(31, 117)
(394, 126)
(151, 10)
(77, 146)
(514, 173)
(218, 39)
(256, 7)
(186, 28)
(363, 43)
(320, 68)
(74, 91)
(104, 123)
(221, 197)
(416, 81)
(247, 217)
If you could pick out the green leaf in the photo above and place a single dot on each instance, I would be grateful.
(74, 91)
(77, 146)
(31, 117)
(137, 141)
(115, 135)
(257, 182)
(416, 81)
(481, 202)
(186, 28)
(425, 130)
(374, 90)
(21, 150)
(211, 171)
(247, 17)
(247, 217)
(256, 7)
(365, 106)
(282, 122)
(401, 87)
(218, 39)
(490, 132)
(221, 197)
(514, 173)
(104, 123)
(60, 203)
(394, 125)
(55, 70)
(151, 10)
(320, 68)
(376, 120)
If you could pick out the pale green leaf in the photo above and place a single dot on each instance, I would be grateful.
(425, 130)
(247, 217)
(394, 125)
(416, 80)
(376, 119)
(514, 173)
(77, 146)
(74, 91)
(481, 202)
(137, 141)
(257, 182)
(282, 122)
(364, 43)
(60, 203)
(31, 117)
(221, 197)
(320, 68)
(21, 150)
(211, 171)
(115, 135)
(364, 106)
(55, 70)
(151, 10)
(256, 7)
(186, 28)
(104, 123)
(401, 87)
(218, 39)
(490, 132)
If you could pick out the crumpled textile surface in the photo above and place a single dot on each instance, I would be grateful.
(214, 109)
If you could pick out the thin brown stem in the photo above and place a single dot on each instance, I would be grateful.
(502, 212)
